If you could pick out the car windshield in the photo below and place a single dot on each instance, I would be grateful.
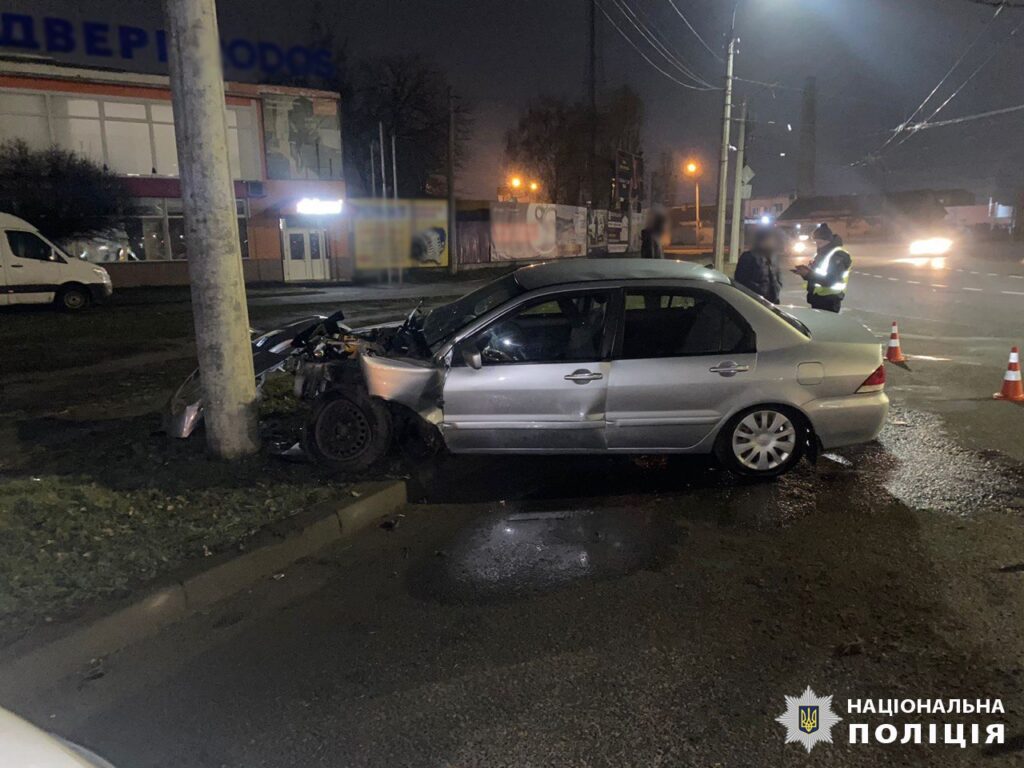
(442, 322)
(789, 319)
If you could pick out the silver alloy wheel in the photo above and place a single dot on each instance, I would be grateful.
(764, 440)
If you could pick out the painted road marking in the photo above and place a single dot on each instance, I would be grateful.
(975, 273)
(1013, 293)
(961, 270)
(972, 289)
(913, 282)
(993, 274)
(939, 285)
(894, 279)
(1017, 277)
(878, 276)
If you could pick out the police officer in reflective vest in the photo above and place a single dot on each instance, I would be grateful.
(829, 273)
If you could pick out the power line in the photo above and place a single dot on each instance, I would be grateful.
(798, 89)
(965, 119)
(696, 34)
(902, 126)
(955, 93)
(651, 37)
(646, 58)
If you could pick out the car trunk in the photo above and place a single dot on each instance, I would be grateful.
(829, 326)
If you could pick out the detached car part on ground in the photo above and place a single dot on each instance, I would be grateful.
(596, 356)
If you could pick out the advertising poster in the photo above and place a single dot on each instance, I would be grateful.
(524, 231)
(400, 233)
(618, 232)
(598, 232)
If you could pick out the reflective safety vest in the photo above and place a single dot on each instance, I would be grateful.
(822, 269)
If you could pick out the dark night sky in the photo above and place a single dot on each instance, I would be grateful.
(875, 60)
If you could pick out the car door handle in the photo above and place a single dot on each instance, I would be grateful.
(729, 369)
(17, 266)
(582, 376)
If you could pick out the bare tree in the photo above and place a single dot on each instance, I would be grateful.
(546, 144)
(410, 97)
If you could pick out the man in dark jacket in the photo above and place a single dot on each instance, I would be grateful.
(758, 268)
(651, 236)
(829, 273)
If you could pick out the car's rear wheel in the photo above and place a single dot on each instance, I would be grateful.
(764, 441)
(73, 298)
(348, 433)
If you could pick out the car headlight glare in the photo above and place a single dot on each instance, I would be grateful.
(933, 246)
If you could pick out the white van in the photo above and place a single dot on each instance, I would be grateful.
(35, 271)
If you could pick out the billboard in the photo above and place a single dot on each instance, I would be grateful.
(529, 231)
(618, 232)
(392, 234)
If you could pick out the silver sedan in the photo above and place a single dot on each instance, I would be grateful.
(629, 356)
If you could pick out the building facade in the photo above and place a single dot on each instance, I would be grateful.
(284, 152)
(765, 210)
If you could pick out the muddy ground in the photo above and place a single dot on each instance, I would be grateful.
(94, 499)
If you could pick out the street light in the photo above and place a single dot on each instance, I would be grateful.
(692, 169)
(534, 186)
(516, 182)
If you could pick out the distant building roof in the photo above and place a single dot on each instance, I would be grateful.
(921, 203)
(42, 68)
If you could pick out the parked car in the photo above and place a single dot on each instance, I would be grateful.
(22, 744)
(35, 271)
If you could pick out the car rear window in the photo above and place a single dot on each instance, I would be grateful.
(787, 318)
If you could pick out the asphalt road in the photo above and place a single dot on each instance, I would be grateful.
(956, 324)
(615, 612)
(586, 612)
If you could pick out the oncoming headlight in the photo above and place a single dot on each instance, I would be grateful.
(933, 246)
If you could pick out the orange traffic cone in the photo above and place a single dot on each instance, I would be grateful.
(1012, 389)
(894, 354)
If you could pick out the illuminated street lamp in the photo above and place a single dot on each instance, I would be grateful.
(692, 169)
(516, 182)
(534, 186)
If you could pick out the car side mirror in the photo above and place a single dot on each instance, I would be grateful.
(472, 357)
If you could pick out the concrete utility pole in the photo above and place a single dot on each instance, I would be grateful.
(723, 165)
(453, 241)
(592, 101)
(211, 229)
(736, 236)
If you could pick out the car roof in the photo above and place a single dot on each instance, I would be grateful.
(587, 270)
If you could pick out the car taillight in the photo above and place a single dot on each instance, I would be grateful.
(875, 382)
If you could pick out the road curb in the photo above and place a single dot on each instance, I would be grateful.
(195, 588)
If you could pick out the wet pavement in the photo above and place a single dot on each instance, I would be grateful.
(573, 611)
(599, 612)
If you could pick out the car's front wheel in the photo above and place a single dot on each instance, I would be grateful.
(73, 298)
(764, 441)
(348, 433)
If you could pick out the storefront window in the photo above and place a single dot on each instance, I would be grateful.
(156, 232)
(134, 138)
